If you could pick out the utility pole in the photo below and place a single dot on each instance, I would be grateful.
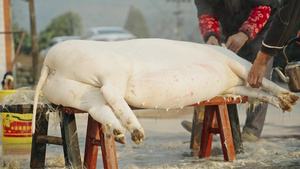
(34, 42)
(179, 20)
(7, 37)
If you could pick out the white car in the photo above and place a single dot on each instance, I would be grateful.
(107, 34)
(54, 41)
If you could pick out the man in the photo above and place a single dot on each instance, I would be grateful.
(243, 27)
(278, 34)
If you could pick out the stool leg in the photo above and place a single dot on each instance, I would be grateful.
(38, 150)
(109, 154)
(95, 137)
(197, 128)
(70, 141)
(225, 133)
(206, 138)
(236, 129)
(91, 150)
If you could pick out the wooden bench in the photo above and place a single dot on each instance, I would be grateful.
(227, 126)
(216, 108)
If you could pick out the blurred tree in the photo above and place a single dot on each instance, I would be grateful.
(136, 24)
(68, 24)
(26, 45)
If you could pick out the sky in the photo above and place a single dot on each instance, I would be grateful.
(159, 14)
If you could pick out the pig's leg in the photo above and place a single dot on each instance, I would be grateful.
(242, 70)
(101, 111)
(62, 91)
(261, 95)
(280, 92)
(114, 93)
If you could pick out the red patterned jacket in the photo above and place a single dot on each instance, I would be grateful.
(233, 16)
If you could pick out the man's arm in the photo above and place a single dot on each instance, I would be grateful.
(251, 27)
(277, 35)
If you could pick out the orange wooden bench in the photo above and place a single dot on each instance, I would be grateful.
(216, 109)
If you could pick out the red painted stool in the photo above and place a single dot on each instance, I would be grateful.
(69, 140)
(216, 108)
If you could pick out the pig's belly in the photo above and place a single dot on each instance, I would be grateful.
(175, 89)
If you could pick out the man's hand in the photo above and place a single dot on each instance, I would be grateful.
(212, 40)
(258, 70)
(236, 42)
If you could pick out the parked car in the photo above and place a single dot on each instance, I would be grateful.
(54, 41)
(107, 34)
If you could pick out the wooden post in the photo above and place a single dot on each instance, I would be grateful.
(7, 28)
(35, 47)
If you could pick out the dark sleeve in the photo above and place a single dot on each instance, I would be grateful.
(255, 3)
(203, 7)
(282, 26)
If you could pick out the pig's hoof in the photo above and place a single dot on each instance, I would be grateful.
(120, 139)
(285, 105)
(290, 97)
(119, 136)
(114, 130)
(294, 98)
(117, 132)
(137, 136)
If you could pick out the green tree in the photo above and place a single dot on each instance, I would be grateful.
(136, 24)
(68, 24)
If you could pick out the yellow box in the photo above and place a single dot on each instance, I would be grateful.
(16, 128)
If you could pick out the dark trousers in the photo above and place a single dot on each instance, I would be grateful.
(256, 113)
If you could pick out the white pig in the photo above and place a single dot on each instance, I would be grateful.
(104, 78)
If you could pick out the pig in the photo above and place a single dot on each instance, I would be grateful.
(106, 78)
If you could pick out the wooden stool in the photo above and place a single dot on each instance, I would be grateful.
(69, 140)
(217, 108)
